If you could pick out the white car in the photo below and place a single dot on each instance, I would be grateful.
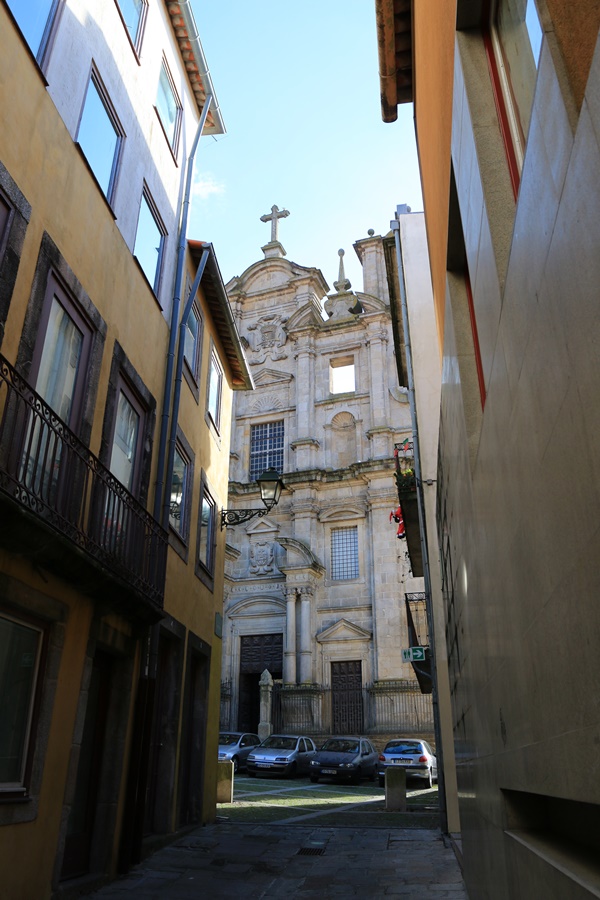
(282, 754)
(414, 756)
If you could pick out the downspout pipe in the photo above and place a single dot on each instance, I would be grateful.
(178, 379)
(164, 424)
(395, 226)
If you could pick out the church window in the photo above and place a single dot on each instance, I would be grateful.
(341, 375)
(344, 553)
(266, 448)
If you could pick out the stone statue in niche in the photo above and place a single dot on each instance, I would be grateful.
(261, 558)
(266, 338)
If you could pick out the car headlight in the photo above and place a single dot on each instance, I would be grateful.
(251, 757)
(315, 762)
(348, 765)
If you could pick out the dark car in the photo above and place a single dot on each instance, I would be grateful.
(415, 756)
(345, 758)
(234, 746)
(282, 754)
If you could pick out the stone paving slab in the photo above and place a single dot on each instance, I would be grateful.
(262, 862)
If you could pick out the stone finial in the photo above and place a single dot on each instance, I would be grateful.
(342, 284)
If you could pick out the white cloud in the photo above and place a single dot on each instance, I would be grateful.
(205, 185)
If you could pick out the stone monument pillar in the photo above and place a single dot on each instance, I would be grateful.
(305, 636)
(289, 657)
(265, 726)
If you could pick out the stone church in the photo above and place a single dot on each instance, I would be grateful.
(315, 590)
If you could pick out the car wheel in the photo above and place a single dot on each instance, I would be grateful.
(381, 781)
(314, 779)
(235, 764)
(429, 778)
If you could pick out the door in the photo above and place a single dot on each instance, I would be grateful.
(347, 697)
(257, 653)
(80, 828)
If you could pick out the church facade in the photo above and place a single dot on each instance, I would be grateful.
(314, 592)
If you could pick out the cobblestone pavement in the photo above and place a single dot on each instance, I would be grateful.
(252, 861)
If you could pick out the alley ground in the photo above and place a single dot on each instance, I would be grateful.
(284, 839)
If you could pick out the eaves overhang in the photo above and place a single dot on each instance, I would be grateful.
(192, 54)
(395, 48)
(217, 301)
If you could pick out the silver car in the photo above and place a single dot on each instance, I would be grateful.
(415, 756)
(234, 746)
(343, 758)
(282, 754)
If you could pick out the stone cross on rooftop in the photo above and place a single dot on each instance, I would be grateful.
(276, 215)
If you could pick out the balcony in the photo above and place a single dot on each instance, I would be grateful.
(406, 482)
(64, 509)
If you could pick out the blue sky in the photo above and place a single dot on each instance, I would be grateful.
(298, 87)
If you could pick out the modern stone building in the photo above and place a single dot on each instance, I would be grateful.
(314, 591)
(507, 116)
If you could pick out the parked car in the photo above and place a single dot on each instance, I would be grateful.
(282, 754)
(235, 746)
(345, 758)
(415, 756)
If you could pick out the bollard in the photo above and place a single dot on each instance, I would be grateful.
(225, 782)
(395, 789)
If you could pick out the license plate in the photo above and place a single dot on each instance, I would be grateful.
(328, 771)
(263, 765)
(401, 761)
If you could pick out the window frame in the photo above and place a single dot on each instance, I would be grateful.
(336, 564)
(42, 53)
(205, 569)
(123, 386)
(214, 364)
(174, 142)
(136, 43)
(181, 536)
(193, 366)
(103, 95)
(21, 789)
(341, 362)
(146, 197)
(272, 457)
(507, 108)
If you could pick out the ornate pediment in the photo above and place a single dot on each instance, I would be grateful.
(272, 378)
(343, 630)
(299, 555)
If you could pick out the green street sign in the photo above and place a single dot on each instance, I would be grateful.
(414, 654)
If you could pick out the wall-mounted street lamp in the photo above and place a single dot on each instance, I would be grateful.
(270, 485)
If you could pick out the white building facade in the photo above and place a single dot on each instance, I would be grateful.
(315, 591)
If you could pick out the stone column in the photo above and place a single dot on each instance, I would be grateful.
(306, 443)
(289, 657)
(305, 636)
(265, 726)
(380, 403)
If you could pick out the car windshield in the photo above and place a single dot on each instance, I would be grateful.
(402, 747)
(225, 739)
(340, 746)
(276, 742)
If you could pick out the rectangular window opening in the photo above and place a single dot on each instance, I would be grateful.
(266, 448)
(100, 136)
(180, 485)
(214, 390)
(133, 14)
(150, 241)
(36, 20)
(168, 107)
(342, 375)
(344, 553)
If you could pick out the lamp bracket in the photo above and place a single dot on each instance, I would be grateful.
(239, 516)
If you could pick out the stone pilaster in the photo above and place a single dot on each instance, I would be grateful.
(289, 657)
(305, 660)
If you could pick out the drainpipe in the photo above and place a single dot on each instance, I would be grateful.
(395, 226)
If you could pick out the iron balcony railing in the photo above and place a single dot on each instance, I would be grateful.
(47, 469)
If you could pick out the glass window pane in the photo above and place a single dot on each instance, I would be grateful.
(19, 656)
(177, 511)
(32, 17)
(214, 391)
(166, 105)
(131, 11)
(60, 361)
(191, 341)
(520, 36)
(266, 447)
(122, 460)
(205, 543)
(148, 243)
(344, 553)
(98, 137)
